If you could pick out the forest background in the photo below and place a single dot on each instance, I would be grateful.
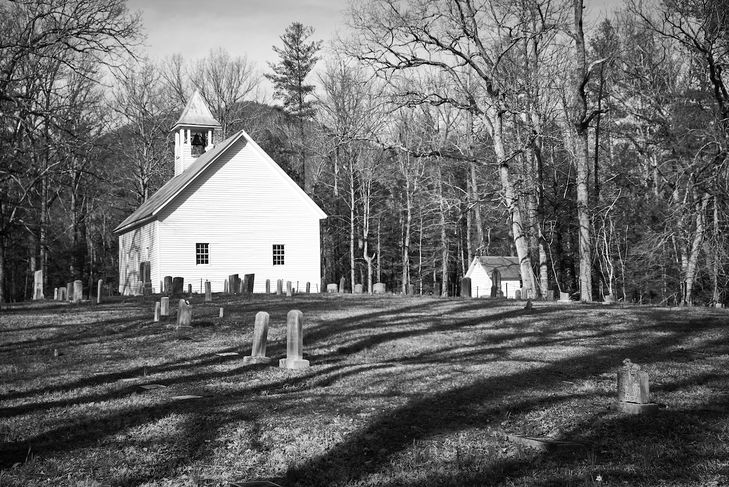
(433, 131)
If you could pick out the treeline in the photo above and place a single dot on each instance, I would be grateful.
(435, 131)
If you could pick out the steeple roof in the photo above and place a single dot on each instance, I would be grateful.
(196, 114)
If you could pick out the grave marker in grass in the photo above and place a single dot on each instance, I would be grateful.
(294, 342)
(78, 290)
(332, 288)
(268, 286)
(260, 336)
(379, 288)
(208, 292)
(279, 287)
(184, 315)
(633, 390)
(164, 306)
(289, 291)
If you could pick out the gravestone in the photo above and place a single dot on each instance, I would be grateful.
(549, 296)
(208, 292)
(244, 285)
(157, 311)
(99, 287)
(221, 313)
(38, 285)
(189, 290)
(250, 281)
(268, 286)
(633, 390)
(437, 289)
(332, 288)
(233, 286)
(294, 342)
(55, 294)
(608, 299)
(564, 297)
(358, 289)
(466, 287)
(308, 287)
(379, 288)
(164, 306)
(279, 287)
(517, 294)
(69, 291)
(411, 289)
(289, 291)
(225, 286)
(167, 285)
(260, 335)
(495, 283)
(78, 290)
(178, 286)
(184, 314)
(342, 282)
(62, 294)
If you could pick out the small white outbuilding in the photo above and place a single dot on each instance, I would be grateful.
(229, 209)
(481, 273)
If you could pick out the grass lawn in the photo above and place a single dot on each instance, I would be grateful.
(400, 392)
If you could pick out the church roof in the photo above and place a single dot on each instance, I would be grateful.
(508, 266)
(196, 114)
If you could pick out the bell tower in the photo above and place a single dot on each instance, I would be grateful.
(194, 132)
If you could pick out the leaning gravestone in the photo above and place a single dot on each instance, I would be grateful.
(178, 285)
(466, 287)
(633, 391)
(38, 285)
(78, 290)
(332, 288)
(379, 288)
(164, 306)
(294, 342)
(358, 289)
(342, 282)
(208, 292)
(184, 315)
(260, 335)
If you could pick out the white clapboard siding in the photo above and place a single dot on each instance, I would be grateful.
(135, 247)
(481, 283)
(240, 206)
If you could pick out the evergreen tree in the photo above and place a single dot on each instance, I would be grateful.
(297, 59)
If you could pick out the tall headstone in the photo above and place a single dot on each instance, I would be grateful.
(633, 390)
(437, 289)
(167, 285)
(260, 335)
(268, 286)
(38, 285)
(289, 291)
(244, 284)
(208, 292)
(178, 286)
(279, 287)
(342, 282)
(294, 342)
(308, 287)
(379, 288)
(69, 291)
(517, 294)
(233, 286)
(55, 294)
(221, 313)
(411, 289)
(358, 289)
(189, 290)
(164, 306)
(225, 286)
(332, 288)
(184, 314)
(250, 281)
(99, 288)
(466, 287)
(157, 311)
(495, 283)
(62, 296)
(78, 291)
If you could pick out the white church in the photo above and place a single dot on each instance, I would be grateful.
(229, 209)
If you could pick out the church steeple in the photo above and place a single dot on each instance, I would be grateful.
(194, 132)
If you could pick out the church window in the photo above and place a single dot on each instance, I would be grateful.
(202, 253)
(278, 254)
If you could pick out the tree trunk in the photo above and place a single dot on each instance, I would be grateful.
(406, 238)
(351, 224)
(443, 235)
(690, 263)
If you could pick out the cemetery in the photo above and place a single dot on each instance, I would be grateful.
(332, 388)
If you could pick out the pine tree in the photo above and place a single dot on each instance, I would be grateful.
(297, 59)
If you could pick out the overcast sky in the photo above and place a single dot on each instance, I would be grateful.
(250, 27)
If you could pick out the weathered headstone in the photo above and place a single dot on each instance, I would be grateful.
(608, 299)
(529, 305)
(225, 286)
(342, 282)
(289, 291)
(517, 294)
(495, 283)
(99, 288)
(437, 289)
(157, 311)
(633, 390)
(167, 285)
(78, 291)
(221, 313)
(379, 288)
(279, 287)
(178, 285)
(564, 297)
(358, 289)
(411, 289)
(268, 286)
(184, 314)
(69, 291)
(233, 286)
(549, 296)
(164, 306)
(208, 292)
(55, 294)
(260, 335)
(38, 285)
(250, 282)
(189, 290)
(294, 342)
(332, 288)
(308, 287)
(244, 284)
(62, 294)
(466, 287)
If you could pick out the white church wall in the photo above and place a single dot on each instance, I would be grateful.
(135, 247)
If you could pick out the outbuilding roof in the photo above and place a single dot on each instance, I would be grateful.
(508, 266)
